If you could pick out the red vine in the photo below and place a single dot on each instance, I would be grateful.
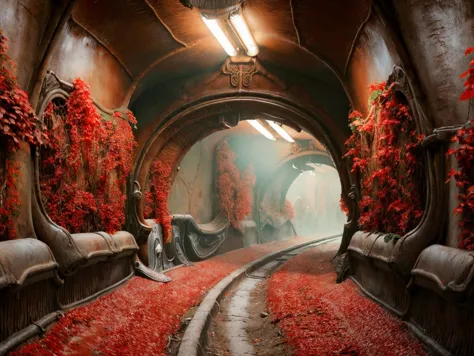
(464, 154)
(18, 122)
(156, 198)
(234, 188)
(343, 205)
(386, 151)
(468, 92)
(86, 163)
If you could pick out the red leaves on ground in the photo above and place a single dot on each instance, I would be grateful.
(319, 317)
(233, 187)
(468, 92)
(85, 164)
(385, 150)
(156, 198)
(138, 318)
(18, 122)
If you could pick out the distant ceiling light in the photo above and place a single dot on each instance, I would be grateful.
(258, 126)
(281, 131)
(215, 28)
(243, 31)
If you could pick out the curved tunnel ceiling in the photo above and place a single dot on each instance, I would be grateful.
(316, 36)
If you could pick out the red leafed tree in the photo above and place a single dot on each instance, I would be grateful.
(464, 154)
(156, 198)
(234, 188)
(18, 123)
(385, 150)
(86, 163)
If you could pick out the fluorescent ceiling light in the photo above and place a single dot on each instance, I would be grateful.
(258, 126)
(281, 131)
(243, 31)
(215, 28)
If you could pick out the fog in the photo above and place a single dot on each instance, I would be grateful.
(315, 197)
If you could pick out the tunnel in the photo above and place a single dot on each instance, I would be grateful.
(236, 177)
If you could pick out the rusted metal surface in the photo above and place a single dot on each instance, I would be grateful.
(28, 283)
(78, 54)
(24, 23)
(442, 289)
(437, 34)
(372, 60)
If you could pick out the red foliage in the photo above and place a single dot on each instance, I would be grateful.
(319, 317)
(464, 154)
(234, 188)
(468, 92)
(343, 206)
(138, 318)
(18, 123)
(86, 163)
(118, 144)
(386, 150)
(156, 198)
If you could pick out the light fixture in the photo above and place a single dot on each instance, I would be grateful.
(230, 28)
(281, 131)
(215, 28)
(241, 28)
(258, 126)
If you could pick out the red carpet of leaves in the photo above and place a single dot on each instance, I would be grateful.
(319, 317)
(137, 318)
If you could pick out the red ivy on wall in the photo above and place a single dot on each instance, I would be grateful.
(156, 198)
(386, 151)
(18, 123)
(468, 92)
(234, 188)
(86, 163)
(464, 154)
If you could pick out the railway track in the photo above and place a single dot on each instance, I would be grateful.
(235, 293)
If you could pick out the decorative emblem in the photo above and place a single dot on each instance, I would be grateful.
(240, 73)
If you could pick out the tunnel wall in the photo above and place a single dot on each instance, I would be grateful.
(23, 24)
(196, 175)
(372, 61)
(437, 34)
(78, 54)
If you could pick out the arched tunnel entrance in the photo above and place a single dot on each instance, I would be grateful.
(176, 135)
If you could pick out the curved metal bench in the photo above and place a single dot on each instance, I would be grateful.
(383, 268)
(28, 284)
(442, 298)
(201, 241)
(190, 241)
